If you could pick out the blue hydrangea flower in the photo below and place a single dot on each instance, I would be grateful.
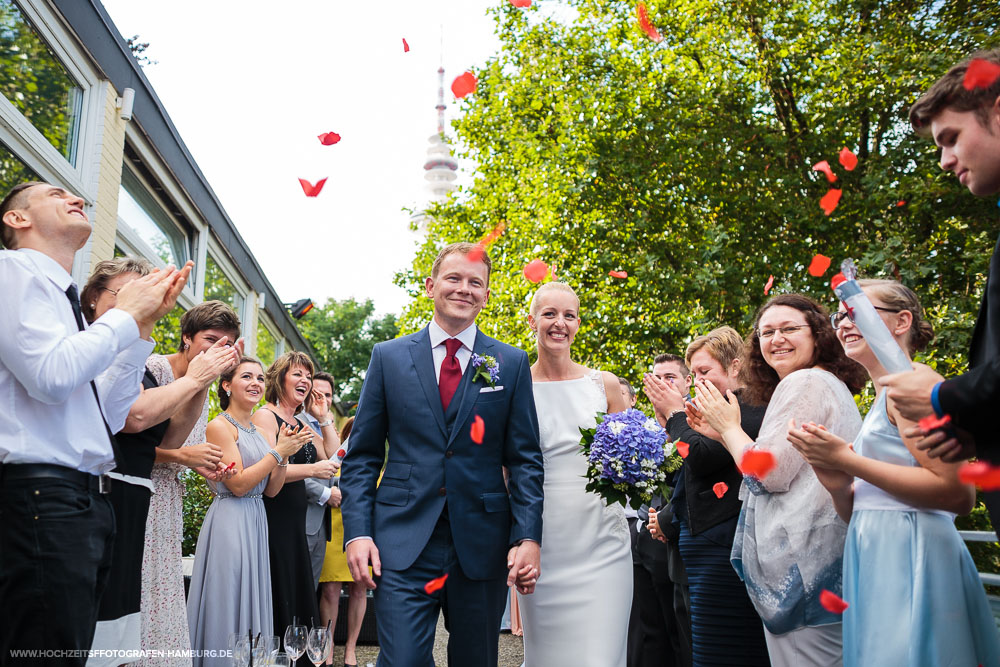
(486, 368)
(628, 451)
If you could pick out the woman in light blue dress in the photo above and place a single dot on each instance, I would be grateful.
(231, 583)
(915, 597)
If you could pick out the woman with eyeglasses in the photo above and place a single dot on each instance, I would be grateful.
(789, 543)
(915, 597)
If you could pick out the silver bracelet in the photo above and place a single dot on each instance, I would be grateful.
(325, 424)
(276, 455)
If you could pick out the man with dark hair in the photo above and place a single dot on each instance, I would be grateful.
(65, 389)
(965, 124)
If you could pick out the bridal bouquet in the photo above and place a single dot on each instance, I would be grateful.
(628, 458)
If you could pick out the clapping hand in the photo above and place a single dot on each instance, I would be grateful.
(665, 397)
(218, 473)
(825, 452)
(721, 412)
(291, 440)
(697, 421)
(207, 366)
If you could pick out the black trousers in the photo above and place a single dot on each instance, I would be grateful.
(666, 633)
(55, 554)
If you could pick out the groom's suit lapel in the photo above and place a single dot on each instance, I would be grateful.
(423, 362)
(467, 392)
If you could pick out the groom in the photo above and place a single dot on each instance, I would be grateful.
(442, 507)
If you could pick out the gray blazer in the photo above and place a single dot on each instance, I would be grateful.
(316, 515)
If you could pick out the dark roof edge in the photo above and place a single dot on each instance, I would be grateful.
(101, 39)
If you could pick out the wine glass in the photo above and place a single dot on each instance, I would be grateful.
(318, 645)
(295, 641)
(280, 659)
(240, 655)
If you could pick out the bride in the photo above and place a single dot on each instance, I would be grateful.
(578, 614)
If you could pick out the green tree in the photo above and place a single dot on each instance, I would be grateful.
(688, 164)
(342, 334)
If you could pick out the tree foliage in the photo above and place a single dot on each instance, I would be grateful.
(342, 334)
(688, 164)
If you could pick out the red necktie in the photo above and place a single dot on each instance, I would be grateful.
(451, 372)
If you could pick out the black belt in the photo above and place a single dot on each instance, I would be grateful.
(15, 471)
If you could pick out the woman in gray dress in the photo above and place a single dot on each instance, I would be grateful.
(231, 584)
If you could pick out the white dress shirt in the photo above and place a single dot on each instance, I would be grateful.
(438, 336)
(48, 412)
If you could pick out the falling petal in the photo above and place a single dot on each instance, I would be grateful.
(830, 200)
(464, 84)
(535, 270)
(720, 489)
(406, 47)
(435, 585)
(329, 138)
(932, 422)
(757, 463)
(980, 473)
(521, 3)
(901, 202)
(618, 274)
(478, 430)
(647, 25)
(682, 448)
(824, 166)
(980, 74)
(848, 160)
(310, 189)
(768, 285)
(832, 602)
(819, 265)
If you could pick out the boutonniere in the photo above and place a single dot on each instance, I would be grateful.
(487, 368)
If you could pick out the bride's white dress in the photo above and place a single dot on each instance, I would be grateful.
(578, 614)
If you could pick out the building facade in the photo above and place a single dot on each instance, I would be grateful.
(77, 111)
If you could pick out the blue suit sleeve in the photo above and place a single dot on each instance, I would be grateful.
(361, 465)
(523, 459)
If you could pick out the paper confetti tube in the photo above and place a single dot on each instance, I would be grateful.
(871, 326)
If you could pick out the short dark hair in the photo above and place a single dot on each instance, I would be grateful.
(628, 385)
(13, 200)
(948, 92)
(209, 315)
(672, 358)
(760, 380)
(228, 377)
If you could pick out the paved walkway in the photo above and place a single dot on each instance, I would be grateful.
(511, 650)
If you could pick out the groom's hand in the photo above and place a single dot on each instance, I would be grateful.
(524, 563)
(360, 553)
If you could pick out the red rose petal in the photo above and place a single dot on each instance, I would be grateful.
(757, 463)
(435, 585)
(682, 448)
(901, 202)
(768, 285)
(406, 47)
(980, 473)
(832, 602)
(720, 489)
(477, 254)
(478, 430)
(819, 265)
(521, 3)
(932, 422)
(980, 74)
(535, 270)
(830, 200)
(824, 166)
(310, 189)
(647, 25)
(848, 160)
(329, 138)
(618, 274)
(837, 279)
(231, 465)
(464, 84)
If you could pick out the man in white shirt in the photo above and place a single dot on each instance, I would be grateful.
(64, 389)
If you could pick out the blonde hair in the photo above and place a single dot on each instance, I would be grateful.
(898, 296)
(102, 275)
(724, 344)
(550, 287)
(464, 248)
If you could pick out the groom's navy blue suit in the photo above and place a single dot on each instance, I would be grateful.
(442, 505)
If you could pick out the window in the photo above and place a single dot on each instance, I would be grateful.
(147, 219)
(267, 347)
(219, 286)
(36, 83)
(13, 170)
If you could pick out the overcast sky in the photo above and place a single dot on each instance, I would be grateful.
(251, 84)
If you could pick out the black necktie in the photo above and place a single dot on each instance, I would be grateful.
(74, 300)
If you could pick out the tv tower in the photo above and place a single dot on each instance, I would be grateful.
(440, 168)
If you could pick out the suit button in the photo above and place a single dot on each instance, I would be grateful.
(441, 491)
(448, 454)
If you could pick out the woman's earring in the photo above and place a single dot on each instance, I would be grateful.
(229, 393)
(93, 305)
(185, 346)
